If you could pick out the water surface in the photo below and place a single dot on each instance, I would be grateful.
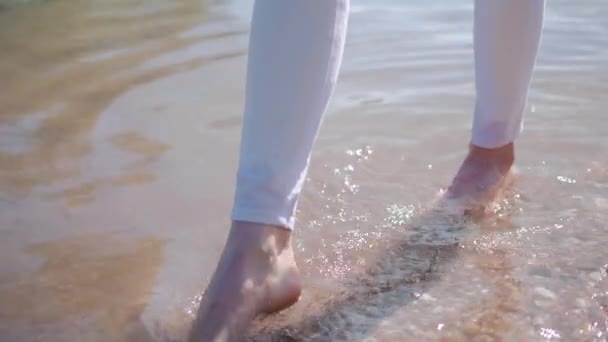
(119, 129)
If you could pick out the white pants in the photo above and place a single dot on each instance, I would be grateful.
(295, 52)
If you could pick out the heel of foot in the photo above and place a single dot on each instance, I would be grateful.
(286, 293)
(282, 304)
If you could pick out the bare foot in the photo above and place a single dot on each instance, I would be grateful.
(257, 274)
(483, 175)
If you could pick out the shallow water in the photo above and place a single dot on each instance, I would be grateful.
(119, 127)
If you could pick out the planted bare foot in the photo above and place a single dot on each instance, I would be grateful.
(482, 177)
(257, 274)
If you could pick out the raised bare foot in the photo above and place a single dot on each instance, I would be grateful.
(257, 274)
(483, 175)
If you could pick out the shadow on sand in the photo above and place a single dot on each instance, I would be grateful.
(411, 263)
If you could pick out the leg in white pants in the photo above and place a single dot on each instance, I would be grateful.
(294, 56)
(507, 35)
(295, 53)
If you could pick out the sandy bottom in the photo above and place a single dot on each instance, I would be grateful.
(119, 128)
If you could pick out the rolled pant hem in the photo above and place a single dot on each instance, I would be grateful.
(264, 217)
(486, 141)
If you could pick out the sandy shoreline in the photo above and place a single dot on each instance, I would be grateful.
(118, 145)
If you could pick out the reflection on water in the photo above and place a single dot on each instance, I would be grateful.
(47, 63)
(119, 125)
(93, 277)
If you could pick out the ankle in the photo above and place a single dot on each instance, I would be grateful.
(504, 156)
(263, 240)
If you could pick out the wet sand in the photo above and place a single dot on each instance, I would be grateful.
(119, 129)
